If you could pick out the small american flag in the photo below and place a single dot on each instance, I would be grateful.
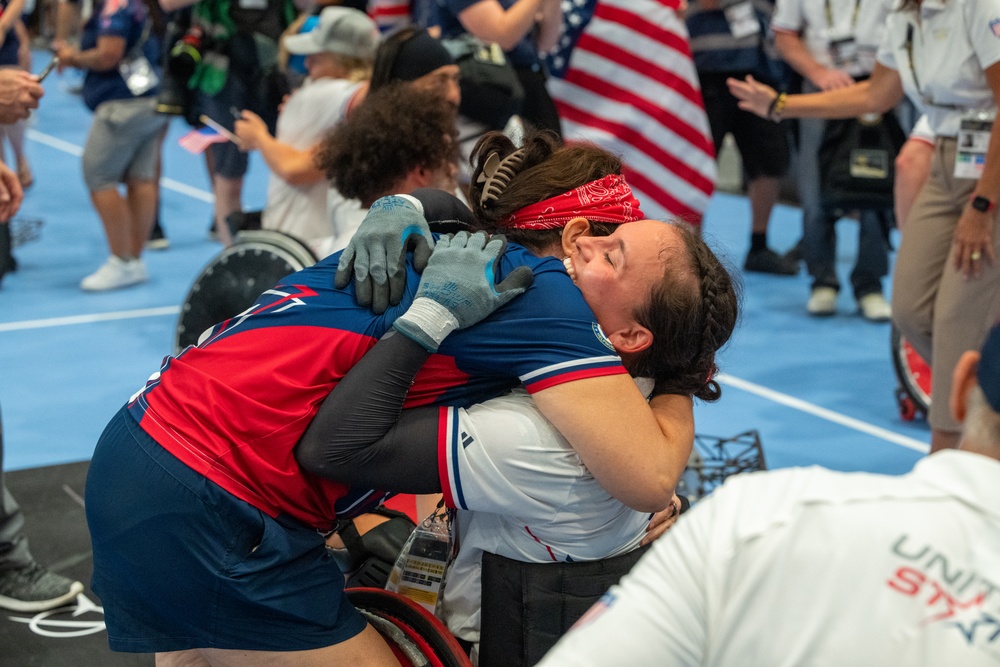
(196, 141)
(623, 78)
(390, 14)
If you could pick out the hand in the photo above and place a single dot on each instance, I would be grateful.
(66, 53)
(459, 288)
(19, 94)
(662, 521)
(753, 95)
(11, 193)
(251, 129)
(832, 79)
(377, 252)
(973, 241)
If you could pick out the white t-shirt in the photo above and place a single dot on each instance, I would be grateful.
(308, 115)
(856, 24)
(812, 567)
(523, 493)
(952, 42)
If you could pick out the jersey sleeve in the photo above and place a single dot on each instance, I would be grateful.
(983, 20)
(503, 457)
(546, 337)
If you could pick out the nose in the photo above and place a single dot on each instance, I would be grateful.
(454, 92)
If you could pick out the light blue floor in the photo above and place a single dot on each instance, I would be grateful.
(819, 391)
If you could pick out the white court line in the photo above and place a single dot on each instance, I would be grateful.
(73, 149)
(88, 319)
(823, 413)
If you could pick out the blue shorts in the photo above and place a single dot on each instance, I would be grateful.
(179, 563)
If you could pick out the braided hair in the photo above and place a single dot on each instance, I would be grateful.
(692, 313)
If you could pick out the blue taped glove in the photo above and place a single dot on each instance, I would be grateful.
(458, 288)
(377, 253)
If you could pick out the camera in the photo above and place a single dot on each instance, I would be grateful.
(175, 97)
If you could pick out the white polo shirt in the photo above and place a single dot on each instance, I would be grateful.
(952, 43)
(821, 22)
(523, 493)
(813, 567)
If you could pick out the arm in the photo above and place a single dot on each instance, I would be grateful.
(974, 232)
(67, 20)
(11, 15)
(290, 164)
(106, 55)
(11, 193)
(171, 5)
(550, 26)
(490, 22)
(879, 94)
(362, 436)
(637, 451)
(795, 53)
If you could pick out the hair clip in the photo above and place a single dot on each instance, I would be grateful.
(497, 174)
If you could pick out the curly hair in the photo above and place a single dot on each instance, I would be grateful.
(396, 129)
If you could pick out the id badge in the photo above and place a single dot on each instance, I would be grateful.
(139, 75)
(742, 20)
(253, 4)
(973, 140)
(843, 52)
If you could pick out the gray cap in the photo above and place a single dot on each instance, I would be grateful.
(341, 30)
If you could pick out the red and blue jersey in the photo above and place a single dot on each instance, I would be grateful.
(234, 407)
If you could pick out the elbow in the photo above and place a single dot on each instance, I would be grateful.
(653, 498)
(308, 459)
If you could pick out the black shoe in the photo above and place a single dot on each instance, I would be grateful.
(768, 261)
(157, 239)
(796, 253)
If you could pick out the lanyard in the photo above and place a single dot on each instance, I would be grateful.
(854, 14)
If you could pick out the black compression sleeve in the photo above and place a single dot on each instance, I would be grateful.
(361, 435)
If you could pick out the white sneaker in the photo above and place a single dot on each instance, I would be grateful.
(115, 274)
(874, 307)
(822, 301)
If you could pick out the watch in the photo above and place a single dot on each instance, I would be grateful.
(982, 204)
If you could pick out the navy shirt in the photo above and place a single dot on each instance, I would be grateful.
(445, 14)
(117, 18)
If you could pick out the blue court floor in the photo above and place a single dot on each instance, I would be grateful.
(819, 391)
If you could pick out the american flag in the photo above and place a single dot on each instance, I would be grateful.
(389, 14)
(623, 78)
(196, 141)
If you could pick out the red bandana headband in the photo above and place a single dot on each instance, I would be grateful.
(607, 199)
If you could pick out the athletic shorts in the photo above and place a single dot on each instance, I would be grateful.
(179, 563)
(123, 143)
(763, 144)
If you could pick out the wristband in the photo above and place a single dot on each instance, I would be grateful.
(427, 323)
(777, 107)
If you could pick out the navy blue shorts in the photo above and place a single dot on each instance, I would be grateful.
(179, 563)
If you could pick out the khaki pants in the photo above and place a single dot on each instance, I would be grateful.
(940, 312)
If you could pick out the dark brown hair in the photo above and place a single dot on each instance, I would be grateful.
(396, 129)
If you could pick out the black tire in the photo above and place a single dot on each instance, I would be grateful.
(234, 278)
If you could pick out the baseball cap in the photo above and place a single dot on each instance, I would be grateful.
(341, 30)
(988, 372)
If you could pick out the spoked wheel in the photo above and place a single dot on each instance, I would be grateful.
(233, 279)
(914, 374)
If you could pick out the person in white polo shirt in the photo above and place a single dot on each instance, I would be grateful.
(812, 567)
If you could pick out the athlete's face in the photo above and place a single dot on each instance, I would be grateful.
(617, 273)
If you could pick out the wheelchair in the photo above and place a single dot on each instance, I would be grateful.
(233, 279)
(914, 374)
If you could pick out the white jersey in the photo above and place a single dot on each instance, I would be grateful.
(523, 493)
(308, 115)
(856, 26)
(813, 567)
(951, 42)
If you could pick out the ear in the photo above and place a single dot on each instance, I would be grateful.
(963, 381)
(632, 339)
(573, 230)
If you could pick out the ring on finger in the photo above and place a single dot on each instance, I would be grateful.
(975, 257)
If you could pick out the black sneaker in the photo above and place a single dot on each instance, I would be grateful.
(33, 588)
(157, 239)
(768, 261)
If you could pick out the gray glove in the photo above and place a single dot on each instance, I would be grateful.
(377, 252)
(458, 288)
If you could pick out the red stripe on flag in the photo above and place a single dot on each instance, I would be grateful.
(642, 25)
(654, 149)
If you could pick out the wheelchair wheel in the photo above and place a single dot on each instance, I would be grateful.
(914, 374)
(234, 278)
(415, 634)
